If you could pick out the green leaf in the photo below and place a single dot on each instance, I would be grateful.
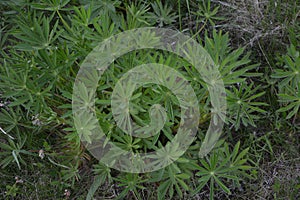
(16, 158)
(224, 188)
(98, 181)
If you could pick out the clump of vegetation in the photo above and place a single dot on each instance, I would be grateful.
(254, 44)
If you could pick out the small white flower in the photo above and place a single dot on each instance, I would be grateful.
(18, 180)
(41, 153)
(67, 193)
(36, 121)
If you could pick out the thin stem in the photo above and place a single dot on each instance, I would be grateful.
(11, 137)
(63, 21)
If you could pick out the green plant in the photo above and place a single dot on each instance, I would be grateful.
(131, 183)
(290, 102)
(162, 14)
(103, 174)
(12, 190)
(12, 151)
(172, 179)
(136, 16)
(206, 13)
(289, 73)
(243, 109)
(223, 166)
(235, 68)
(100, 8)
(44, 43)
(38, 36)
(288, 78)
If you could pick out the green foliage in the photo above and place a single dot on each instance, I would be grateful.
(243, 109)
(50, 5)
(289, 74)
(162, 14)
(38, 36)
(12, 151)
(234, 65)
(206, 13)
(43, 43)
(288, 80)
(221, 166)
(136, 16)
(131, 183)
(173, 180)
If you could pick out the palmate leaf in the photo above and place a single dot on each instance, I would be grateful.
(172, 179)
(136, 16)
(50, 5)
(85, 124)
(167, 155)
(104, 7)
(288, 81)
(127, 142)
(40, 36)
(12, 151)
(23, 89)
(289, 74)
(233, 65)
(207, 13)
(290, 102)
(104, 27)
(132, 182)
(162, 14)
(83, 16)
(220, 167)
(242, 105)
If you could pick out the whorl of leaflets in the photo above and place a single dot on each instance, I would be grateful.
(114, 47)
